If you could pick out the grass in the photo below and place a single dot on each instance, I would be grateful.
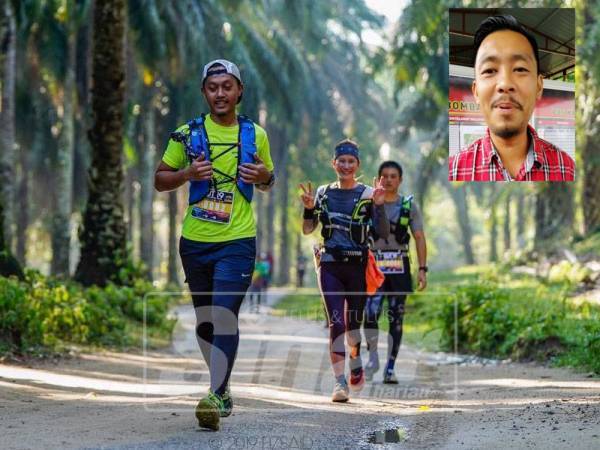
(501, 315)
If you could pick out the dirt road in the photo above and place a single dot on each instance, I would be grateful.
(281, 386)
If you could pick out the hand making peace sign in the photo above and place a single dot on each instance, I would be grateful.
(378, 191)
(307, 197)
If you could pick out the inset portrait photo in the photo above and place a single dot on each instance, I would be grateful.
(511, 104)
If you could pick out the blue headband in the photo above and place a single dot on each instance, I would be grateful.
(346, 149)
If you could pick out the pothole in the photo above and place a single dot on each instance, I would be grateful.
(389, 436)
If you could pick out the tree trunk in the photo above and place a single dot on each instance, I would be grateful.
(426, 172)
(507, 223)
(147, 156)
(259, 212)
(493, 232)
(554, 213)
(23, 211)
(521, 219)
(589, 101)
(269, 246)
(284, 263)
(284, 235)
(591, 181)
(61, 230)
(103, 251)
(276, 140)
(459, 195)
(7, 119)
(8, 264)
(128, 204)
(82, 150)
(173, 266)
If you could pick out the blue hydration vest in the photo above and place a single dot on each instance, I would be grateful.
(198, 143)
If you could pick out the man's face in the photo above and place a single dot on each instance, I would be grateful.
(391, 179)
(222, 92)
(506, 84)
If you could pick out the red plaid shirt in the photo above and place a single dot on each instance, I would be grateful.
(481, 162)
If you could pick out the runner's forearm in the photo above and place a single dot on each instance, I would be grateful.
(308, 226)
(169, 180)
(421, 245)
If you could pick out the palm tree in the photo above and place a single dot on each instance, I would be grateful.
(554, 215)
(589, 95)
(459, 195)
(7, 118)
(506, 223)
(8, 264)
(71, 13)
(420, 57)
(103, 251)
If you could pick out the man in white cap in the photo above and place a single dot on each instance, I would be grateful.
(222, 156)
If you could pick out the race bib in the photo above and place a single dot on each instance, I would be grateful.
(215, 207)
(390, 262)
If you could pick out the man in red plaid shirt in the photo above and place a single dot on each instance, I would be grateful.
(507, 85)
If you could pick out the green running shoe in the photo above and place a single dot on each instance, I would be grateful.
(227, 404)
(208, 411)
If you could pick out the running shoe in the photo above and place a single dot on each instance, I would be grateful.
(357, 379)
(227, 404)
(208, 411)
(340, 392)
(389, 377)
(372, 365)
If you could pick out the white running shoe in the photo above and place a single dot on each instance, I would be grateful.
(340, 392)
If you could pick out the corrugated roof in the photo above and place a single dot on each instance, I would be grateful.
(553, 28)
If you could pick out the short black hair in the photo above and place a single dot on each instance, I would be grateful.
(504, 22)
(387, 165)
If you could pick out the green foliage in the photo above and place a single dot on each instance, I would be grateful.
(497, 316)
(567, 272)
(523, 319)
(588, 246)
(41, 312)
(301, 306)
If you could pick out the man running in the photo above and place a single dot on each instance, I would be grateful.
(223, 156)
(392, 258)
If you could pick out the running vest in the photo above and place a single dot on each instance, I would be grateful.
(400, 228)
(356, 225)
(196, 142)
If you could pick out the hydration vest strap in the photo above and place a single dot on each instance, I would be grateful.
(401, 228)
(199, 143)
(337, 227)
(246, 152)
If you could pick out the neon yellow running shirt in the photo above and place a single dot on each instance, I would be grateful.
(241, 222)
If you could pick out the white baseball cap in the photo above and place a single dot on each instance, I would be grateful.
(230, 68)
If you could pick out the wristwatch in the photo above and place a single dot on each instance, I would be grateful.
(269, 183)
(424, 269)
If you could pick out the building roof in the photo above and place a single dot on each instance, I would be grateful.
(553, 29)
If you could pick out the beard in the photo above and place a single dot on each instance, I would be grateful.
(506, 132)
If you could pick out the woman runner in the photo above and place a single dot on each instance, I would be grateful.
(346, 209)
